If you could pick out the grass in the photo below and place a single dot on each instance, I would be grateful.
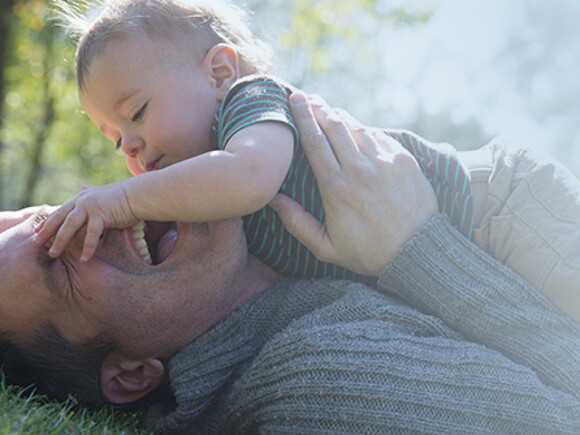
(22, 412)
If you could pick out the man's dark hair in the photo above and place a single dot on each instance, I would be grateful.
(58, 369)
(55, 367)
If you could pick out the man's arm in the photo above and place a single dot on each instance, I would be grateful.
(439, 270)
(443, 274)
(8, 219)
(528, 352)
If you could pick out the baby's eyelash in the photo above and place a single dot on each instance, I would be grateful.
(139, 114)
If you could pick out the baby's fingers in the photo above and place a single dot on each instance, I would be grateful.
(95, 229)
(48, 227)
(72, 223)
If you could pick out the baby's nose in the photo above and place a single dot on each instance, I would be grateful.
(132, 146)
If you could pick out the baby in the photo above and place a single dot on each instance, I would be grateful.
(181, 88)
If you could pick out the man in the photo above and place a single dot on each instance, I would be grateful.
(247, 351)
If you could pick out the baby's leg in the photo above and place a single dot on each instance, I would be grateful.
(527, 215)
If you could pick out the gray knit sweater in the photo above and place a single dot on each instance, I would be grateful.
(486, 354)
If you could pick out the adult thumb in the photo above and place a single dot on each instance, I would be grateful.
(301, 224)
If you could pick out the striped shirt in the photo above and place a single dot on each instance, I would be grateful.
(259, 98)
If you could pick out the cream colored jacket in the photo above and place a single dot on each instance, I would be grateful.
(527, 215)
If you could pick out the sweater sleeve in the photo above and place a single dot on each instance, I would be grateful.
(371, 365)
(442, 273)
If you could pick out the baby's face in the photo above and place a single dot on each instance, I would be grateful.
(156, 105)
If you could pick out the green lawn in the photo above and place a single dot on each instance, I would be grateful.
(23, 413)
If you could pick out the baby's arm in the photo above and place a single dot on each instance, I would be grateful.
(219, 184)
(216, 185)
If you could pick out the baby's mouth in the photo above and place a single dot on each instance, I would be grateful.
(154, 240)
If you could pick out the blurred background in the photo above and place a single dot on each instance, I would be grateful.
(457, 71)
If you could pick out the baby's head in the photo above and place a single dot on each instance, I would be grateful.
(151, 73)
(189, 26)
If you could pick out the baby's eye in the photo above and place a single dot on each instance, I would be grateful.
(118, 144)
(139, 115)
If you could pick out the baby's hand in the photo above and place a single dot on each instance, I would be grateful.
(99, 207)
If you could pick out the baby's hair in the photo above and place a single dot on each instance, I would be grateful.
(192, 25)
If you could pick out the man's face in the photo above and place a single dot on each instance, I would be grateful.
(148, 310)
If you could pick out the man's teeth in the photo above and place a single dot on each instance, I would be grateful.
(139, 236)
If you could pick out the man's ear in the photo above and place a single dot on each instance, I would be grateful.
(125, 380)
(222, 66)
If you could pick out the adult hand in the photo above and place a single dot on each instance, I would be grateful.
(374, 194)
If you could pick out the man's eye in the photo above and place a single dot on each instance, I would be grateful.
(61, 272)
(139, 115)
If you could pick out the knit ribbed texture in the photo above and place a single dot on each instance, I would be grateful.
(336, 357)
(487, 302)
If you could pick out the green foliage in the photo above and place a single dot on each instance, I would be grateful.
(50, 147)
(40, 72)
(22, 412)
(326, 28)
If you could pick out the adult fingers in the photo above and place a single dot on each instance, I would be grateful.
(313, 140)
(364, 136)
(351, 121)
(337, 132)
(303, 226)
(370, 140)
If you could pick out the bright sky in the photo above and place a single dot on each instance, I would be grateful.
(512, 65)
(529, 92)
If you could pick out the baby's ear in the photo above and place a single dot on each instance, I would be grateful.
(124, 380)
(222, 66)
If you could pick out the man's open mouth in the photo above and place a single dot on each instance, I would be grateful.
(154, 240)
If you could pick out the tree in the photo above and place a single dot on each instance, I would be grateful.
(5, 30)
(47, 116)
(52, 149)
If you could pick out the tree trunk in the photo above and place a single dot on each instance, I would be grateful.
(41, 133)
(5, 20)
